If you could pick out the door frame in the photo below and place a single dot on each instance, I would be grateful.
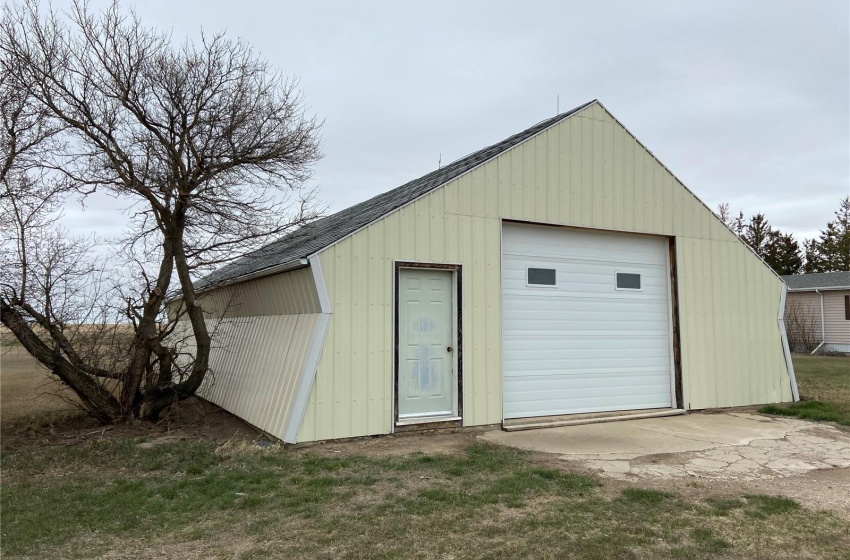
(457, 362)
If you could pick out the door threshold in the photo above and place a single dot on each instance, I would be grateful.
(427, 420)
(515, 425)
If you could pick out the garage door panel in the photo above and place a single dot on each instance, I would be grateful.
(583, 345)
(563, 356)
(587, 344)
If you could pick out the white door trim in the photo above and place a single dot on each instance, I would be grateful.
(457, 343)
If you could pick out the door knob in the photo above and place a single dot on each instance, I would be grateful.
(449, 349)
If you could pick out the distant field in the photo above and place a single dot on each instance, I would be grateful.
(27, 391)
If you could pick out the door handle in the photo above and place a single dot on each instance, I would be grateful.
(449, 349)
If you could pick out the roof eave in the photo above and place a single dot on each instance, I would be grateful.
(819, 288)
(284, 267)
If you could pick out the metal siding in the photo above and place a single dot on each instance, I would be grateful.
(287, 293)
(604, 179)
(255, 365)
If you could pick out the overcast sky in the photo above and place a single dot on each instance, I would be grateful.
(746, 102)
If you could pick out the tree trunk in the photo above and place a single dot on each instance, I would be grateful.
(98, 401)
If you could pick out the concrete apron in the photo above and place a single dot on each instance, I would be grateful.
(722, 446)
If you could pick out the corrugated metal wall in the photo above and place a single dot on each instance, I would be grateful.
(260, 346)
(586, 171)
(289, 293)
(256, 365)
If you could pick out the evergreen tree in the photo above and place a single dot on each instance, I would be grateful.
(757, 234)
(813, 261)
(783, 253)
(831, 251)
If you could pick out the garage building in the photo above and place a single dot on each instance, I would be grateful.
(563, 271)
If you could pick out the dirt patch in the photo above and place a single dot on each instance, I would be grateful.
(436, 442)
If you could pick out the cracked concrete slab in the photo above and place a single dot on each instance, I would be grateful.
(727, 446)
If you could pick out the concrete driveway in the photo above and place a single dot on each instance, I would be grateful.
(719, 446)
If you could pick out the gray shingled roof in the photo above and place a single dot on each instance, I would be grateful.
(326, 231)
(821, 280)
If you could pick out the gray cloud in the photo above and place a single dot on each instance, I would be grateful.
(746, 102)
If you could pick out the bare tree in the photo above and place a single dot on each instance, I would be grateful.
(803, 326)
(208, 147)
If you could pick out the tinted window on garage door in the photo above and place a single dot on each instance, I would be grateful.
(627, 281)
(541, 276)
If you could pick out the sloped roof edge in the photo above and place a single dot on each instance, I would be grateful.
(818, 281)
(324, 232)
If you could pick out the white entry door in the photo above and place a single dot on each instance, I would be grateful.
(427, 383)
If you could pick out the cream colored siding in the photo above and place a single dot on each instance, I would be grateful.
(288, 293)
(808, 304)
(837, 327)
(803, 319)
(256, 364)
(263, 331)
(586, 171)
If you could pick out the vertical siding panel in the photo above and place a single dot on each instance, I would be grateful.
(437, 230)
(552, 161)
(640, 191)
(541, 177)
(359, 389)
(406, 233)
(340, 417)
(608, 165)
(503, 171)
(452, 250)
(493, 322)
(577, 156)
(479, 192)
(659, 225)
(423, 230)
(619, 191)
(478, 314)
(597, 173)
(529, 179)
(628, 183)
(465, 250)
(451, 198)
(517, 191)
(491, 191)
(465, 200)
(378, 331)
(565, 175)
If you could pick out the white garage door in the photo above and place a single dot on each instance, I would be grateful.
(585, 321)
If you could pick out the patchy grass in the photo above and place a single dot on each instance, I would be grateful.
(114, 496)
(810, 410)
(824, 384)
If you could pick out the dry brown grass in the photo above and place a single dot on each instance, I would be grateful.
(28, 393)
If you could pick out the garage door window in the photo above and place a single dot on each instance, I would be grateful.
(542, 277)
(628, 281)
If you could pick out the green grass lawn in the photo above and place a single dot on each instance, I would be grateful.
(197, 500)
(824, 384)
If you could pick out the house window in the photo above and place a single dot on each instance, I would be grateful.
(628, 281)
(542, 277)
(847, 308)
